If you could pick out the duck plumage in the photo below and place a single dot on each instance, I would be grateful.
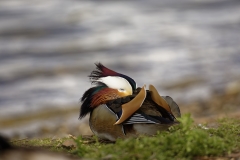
(118, 109)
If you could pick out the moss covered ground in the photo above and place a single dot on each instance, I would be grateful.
(185, 141)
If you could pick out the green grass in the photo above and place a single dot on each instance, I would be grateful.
(46, 143)
(184, 141)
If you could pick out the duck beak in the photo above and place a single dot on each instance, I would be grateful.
(158, 99)
(128, 93)
(129, 108)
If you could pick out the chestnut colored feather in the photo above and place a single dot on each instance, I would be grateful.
(103, 96)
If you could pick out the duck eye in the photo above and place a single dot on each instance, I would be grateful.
(121, 89)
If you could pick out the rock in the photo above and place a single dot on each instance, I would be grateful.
(69, 143)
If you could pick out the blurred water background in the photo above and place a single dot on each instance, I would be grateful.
(189, 49)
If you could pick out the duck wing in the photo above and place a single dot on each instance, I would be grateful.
(149, 112)
(173, 106)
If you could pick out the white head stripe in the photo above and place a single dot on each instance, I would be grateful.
(116, 83)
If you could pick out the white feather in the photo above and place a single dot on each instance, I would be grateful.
(119, 83)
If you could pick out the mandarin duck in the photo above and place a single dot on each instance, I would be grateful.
(118, 109)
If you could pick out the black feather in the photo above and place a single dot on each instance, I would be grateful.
(87, 99)
(163, 111)
(96, 74)
(86, 103)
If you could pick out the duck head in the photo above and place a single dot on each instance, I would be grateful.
(108, 85)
